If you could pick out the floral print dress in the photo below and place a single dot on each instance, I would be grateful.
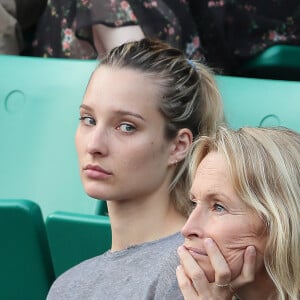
(65, 29)
(232, 31)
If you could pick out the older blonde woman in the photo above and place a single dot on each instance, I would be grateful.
(246, 190)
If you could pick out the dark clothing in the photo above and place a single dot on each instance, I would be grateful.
(65, 28)
(232, 31)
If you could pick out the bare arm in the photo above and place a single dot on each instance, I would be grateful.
(106, 38)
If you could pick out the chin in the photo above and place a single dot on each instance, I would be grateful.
(94, 192)
(101, 193)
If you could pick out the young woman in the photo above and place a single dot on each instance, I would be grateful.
(246, 194)
(143, 107)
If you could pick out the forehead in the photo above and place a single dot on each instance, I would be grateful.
(211, 173)
(214, 163)
(122, 86)
(123, 80)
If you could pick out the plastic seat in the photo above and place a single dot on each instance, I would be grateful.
(75, 237)
(277, 62)
(101, 208)
(39, 111)
(260, 102)
(25, 262)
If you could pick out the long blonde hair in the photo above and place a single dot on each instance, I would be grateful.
(264, 164)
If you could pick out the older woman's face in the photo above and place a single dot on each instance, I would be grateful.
(220, 214)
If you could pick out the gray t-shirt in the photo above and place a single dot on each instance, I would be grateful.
(142, 272)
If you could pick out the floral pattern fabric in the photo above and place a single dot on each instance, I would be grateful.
(65, 29)
(232, 31)
(224, 32)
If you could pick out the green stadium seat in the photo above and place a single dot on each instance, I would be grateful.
(260, 102)
(39, 111)
(75, 237)
(39, 105)
(277, 62)
(26, 270)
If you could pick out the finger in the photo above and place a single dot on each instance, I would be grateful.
(192, 270)
(219, 264)
(248, 271)
(185, 284)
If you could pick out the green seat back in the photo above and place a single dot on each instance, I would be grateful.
(39, 111)
(276, 62)
(75, 237)
(260, 102)
(26, 270)
(39, 105)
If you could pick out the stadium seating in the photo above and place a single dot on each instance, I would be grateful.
(276, 62)
(39, 101)
(75, 237)
(39, 111)
(260, 102)
(26, 270)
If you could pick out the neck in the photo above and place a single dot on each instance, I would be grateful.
(262, 288)
(142, 220)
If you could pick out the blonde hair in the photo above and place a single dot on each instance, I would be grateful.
(188, 93)
(264, 164)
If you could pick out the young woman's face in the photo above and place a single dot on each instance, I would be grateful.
(220, 214)
(122, 150)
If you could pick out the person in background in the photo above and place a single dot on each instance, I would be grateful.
(89, 28)
(17, 18)
(232, 32)
(246, 195)
(144, 105)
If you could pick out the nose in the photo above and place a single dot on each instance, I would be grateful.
(97, 141)
(194, 226)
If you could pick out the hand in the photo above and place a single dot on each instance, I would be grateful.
(194, 284)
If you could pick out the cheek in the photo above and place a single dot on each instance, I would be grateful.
(233, 241)
(148, 156)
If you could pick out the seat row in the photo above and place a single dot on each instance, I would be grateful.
(39, 111)
(33, 252)
(61, 225)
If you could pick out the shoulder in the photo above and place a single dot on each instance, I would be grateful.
(167, 285)
(75, 280)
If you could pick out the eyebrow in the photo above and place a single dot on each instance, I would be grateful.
(120, 112)
(210, 195)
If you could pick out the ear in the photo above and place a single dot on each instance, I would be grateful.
(180, 146)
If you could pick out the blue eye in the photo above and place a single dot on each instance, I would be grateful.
(125, 127)
(88, 121)
(218, 208)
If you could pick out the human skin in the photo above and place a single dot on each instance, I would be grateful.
(125, 158)
(121, 133)
(220, 215)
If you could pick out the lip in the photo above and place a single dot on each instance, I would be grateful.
(96, 172)
(195, 252)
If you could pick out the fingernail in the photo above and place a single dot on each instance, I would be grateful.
(209, 241)
(179, 267)
(251, 249)
(180, 249)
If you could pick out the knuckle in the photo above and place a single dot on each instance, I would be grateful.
(184, 284)
(224, 276)
(196, 275)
